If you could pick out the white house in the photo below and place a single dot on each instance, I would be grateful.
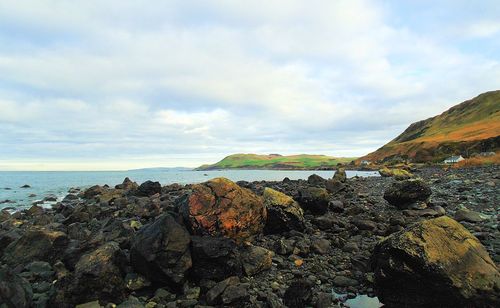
(453, 159)
(365, 162)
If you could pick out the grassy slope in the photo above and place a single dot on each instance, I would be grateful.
(467, 123)
(254, 161)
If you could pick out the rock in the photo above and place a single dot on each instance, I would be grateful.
(468, 216)
(15, 292)
(35, 244)
(160, 251)
(320, 246)
(220, 207)
(214, 258)
(334, 186)
(364, 224)
(92, 304)
(149, 188)
(324, 300)
(340, 175)
(325, 222)
(256, 259)
(98, 276)
(136, 282)
(342, 281)
(213, 295)
(398, 174)
(127, 185)
(25, 186)
(235, 294)
(299, 294)
(403, 193)
(314, 200)
(435, 262)
(131, 302)
(35, 210)
(283, 213)
(316, 180)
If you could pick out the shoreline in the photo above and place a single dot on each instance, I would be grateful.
(330, 254)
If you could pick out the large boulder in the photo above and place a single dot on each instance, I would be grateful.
(403, 193)
(15, 292)
(35, 244)
(316, 180)
(435, 263)
(214, 258)
(283, 213)
(160, 251)
(314, 200)
(220, 207)
(98, 276)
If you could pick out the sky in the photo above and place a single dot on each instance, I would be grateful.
(123, 84)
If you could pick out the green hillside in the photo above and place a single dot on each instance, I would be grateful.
(472, 126)
(276, 161)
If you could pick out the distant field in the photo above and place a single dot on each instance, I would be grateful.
(274, 161)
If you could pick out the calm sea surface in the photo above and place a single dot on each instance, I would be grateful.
(58, 183)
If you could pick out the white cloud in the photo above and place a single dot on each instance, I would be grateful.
(123, 78)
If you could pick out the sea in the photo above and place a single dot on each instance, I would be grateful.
(55, 184)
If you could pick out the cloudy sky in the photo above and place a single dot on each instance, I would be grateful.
(126, 84)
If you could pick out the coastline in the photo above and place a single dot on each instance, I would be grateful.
(330, 254)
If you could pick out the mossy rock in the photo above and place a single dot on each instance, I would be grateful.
(435, 263)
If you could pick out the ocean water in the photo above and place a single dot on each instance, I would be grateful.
(57, 183)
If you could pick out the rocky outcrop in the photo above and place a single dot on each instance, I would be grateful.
(283, 213)
(149, 188)
(160, 251)
(220, 207)
(435, 263)
(404, 193)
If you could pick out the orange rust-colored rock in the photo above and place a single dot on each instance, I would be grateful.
(220, 207)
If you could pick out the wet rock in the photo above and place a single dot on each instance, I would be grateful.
(314, 200)
(468, 216)
(316, 180)
(149, 188)
(283, 213)
(15, 292)
(160, 251)
(98, 276)
(403, 193)
(255, 259)
(36, 244)
(435, 262)
(220, 207)
(25, 186)
(299, 294)
(214, 258)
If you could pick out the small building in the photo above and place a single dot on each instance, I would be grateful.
(365, 162)
(453, 159)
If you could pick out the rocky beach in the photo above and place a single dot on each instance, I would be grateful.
(430, 238)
